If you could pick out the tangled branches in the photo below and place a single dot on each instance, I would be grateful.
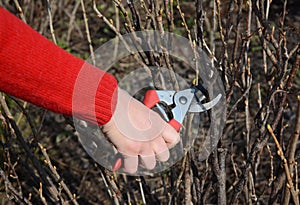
(255, 46)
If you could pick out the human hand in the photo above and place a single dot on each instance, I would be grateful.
(137, 131)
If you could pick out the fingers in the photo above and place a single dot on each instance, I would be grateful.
(171, 136)
(161, 150)
(130, 164)
(157, 150)
(148, 161)
(147, 156)
(149, 152)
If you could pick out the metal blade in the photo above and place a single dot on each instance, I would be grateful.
(204, 107)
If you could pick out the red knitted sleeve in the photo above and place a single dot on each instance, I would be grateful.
(32, 68)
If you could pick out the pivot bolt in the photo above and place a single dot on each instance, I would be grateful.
(183, 100)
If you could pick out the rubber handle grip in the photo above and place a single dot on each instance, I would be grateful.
(175, 124)
(151, 98)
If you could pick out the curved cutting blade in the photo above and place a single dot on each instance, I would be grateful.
(204, 107)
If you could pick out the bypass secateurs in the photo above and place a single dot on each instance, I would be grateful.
(174, 105)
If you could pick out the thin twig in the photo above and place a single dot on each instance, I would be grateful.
(10, 188)
(290, 184)
(20, 10)
(116, 49)
(112, 27)
(87, 30)
(220, 172)
(184, 23)
(168, 5)
(37, 164)
(271, 179)
(187, 182)
(135, 16)
(57, 176)
(291, 150)
(128, 23)
(141, 190)
(117, 196)
(43, 199)
(51, 22)
(72, 21)
(179, 178)
(199, 22)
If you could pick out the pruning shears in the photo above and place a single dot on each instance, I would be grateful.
(174, 105)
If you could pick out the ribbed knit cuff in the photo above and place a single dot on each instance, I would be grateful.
(106, 99)
(94, 95)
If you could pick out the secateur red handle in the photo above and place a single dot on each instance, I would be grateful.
(150, 100)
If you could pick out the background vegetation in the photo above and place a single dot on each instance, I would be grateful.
(255, 46)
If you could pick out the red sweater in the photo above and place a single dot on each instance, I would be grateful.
(32, 68)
